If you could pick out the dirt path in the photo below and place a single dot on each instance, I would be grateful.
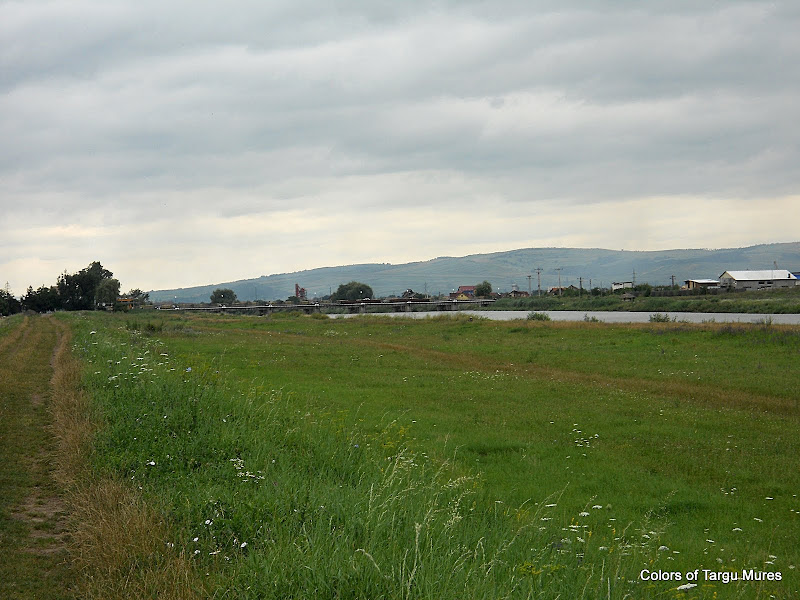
(33, 555)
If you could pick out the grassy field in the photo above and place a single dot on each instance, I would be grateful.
(302, 457)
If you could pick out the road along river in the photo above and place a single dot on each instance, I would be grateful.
(608, 317)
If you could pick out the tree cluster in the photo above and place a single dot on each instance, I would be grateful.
(90, 288)
(8, 304)
(483, 289)
(354, 290)
(223, 296)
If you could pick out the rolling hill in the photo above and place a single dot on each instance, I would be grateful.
(597, 267)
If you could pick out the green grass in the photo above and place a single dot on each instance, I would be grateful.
(371, 457)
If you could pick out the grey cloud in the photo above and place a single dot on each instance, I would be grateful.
(665, 97)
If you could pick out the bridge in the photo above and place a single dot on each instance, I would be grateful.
(357, 307)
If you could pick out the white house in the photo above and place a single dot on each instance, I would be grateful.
(758, 280)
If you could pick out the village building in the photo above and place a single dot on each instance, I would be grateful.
(766, 279)
(464, 292)
(558, 291)
(701, 284)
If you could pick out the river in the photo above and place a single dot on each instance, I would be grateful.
(607, 316)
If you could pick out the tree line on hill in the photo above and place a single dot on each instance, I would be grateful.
(90, 288)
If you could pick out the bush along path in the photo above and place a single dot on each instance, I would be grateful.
(33, 523)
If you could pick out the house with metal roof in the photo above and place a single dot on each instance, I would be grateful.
(758, 280)
(701, 284)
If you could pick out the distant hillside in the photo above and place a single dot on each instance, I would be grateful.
(503, 269)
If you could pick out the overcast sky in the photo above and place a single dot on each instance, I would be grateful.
(186, 143)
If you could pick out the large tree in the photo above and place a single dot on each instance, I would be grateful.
(79, 290)
(107, 292)
(483, 289)
(354, 290)
(223, 296)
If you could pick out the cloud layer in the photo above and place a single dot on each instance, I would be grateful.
(193, 142)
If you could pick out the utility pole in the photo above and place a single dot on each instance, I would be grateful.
(560, 291)
(634, 278)
(580, 289)
(673, 280)
(529, 284)
(538, 280)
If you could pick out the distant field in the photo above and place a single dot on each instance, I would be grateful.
(296, 456)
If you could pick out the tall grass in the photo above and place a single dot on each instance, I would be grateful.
(116, 539)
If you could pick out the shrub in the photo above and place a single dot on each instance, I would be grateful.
(659, 318)
(538, 316)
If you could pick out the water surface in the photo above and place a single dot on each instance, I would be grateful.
(607, 317)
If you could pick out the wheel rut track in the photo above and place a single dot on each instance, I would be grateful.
(33, 515)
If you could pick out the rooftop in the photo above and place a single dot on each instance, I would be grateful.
(760, 275)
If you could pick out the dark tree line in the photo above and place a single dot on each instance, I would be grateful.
(90, 288)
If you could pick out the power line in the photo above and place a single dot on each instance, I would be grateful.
(538, 280)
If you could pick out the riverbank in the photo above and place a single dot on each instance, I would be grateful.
(762, 302)
(607, 316)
